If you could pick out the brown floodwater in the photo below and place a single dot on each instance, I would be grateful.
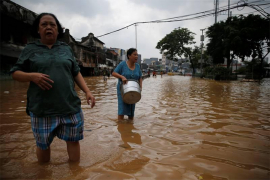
(184, 128)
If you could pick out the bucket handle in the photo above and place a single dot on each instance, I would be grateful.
(130, 80)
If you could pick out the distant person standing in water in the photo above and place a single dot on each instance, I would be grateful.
(108, 73)
(52, 102)
(104, 74)
(129, 69)
(154, 74)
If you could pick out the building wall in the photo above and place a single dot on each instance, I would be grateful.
(150, 61)
(139, 59)
(16, 26)
(98, 44)
(163, 61)
(153, 59)
(123, 55)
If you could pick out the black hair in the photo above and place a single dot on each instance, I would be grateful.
(35, 26)
(130, 51)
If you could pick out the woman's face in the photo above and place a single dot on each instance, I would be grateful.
(133, 57)
(48, 30)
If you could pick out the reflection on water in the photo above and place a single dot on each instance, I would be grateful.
(128, 137)
(184, 128)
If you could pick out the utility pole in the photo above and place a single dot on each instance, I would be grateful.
(202, 39)
(216, 9)
(136, 34)
(97, 61)
(228, 8)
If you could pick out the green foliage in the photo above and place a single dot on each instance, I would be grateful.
(208, 70)
(195, 56)
(253, 69)
(217, 73)
(216, 70)
(177, 44)
(242, 36)
(221, 71)
(242, 70)
(215, 47)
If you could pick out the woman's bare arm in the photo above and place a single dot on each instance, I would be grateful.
(82, 85)
(42, 80)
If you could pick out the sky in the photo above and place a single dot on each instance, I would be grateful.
(103, 16)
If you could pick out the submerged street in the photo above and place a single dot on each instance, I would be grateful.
(184, 128)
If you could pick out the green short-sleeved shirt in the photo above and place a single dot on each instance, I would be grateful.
(59, 63)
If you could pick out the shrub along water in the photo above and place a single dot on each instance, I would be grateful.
(218, 73)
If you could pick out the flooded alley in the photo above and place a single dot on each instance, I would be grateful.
(184, 128)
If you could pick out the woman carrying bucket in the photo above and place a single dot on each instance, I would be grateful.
(129, 69)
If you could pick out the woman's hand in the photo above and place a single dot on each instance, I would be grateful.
(89, 97)
(124, 80)
(42, 80)
(82, 85)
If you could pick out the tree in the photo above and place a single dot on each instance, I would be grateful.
(197, 55)
(239, 36)
(223, 39)
(251, 37)
(256, 30)
(215, 47)
(177, 44)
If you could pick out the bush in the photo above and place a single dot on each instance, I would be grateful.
(221, 71)
(242, 70)
(207, 70)
(217, 73)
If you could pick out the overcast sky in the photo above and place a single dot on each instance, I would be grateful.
(103, 16)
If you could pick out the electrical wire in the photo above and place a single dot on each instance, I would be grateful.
(262, 10)
(205, 14)
(250, 12)
(265, 14)
(204, 11)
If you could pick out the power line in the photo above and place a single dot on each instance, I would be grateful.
(251, 12)
(205, 14)
(260, 10)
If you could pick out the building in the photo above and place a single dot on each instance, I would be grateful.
(89, 53)
(111, 59)
(144, 67)
(167, 64)
(139, 61)
(150, 61)
(16, 27)
(121, 54)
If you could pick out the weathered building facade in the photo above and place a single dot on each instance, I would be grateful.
(89, 53)
(16, 26)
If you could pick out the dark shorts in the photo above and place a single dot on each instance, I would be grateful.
(68, 128)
